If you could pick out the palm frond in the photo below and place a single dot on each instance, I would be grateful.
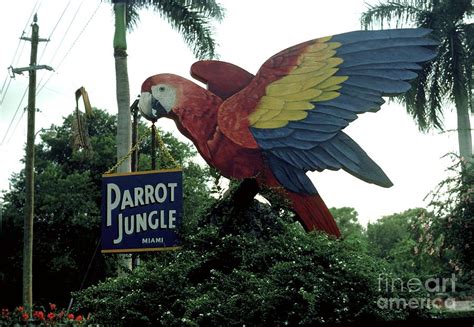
(457, 10)
(208, 8)
(435, 91)
(423, 100)
(192, 23)
(191, 18)
(132, 16)
(402, 12)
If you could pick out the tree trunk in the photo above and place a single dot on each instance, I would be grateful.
(464, 129)
(124, 126)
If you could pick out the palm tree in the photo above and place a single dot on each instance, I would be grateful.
(191, 18)
(449, 76)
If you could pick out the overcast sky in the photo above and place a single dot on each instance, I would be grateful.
(81, 53)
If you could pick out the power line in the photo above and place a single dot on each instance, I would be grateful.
(70, 48)
(36, 7)
(51, 34)
(6, 90)
(16, 126)
(24, 94)
(58, 47)
(8, 77)
(65, 33)
(16, 112)
(54, 29)
(57, 67)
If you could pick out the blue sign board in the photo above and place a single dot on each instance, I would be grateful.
(141, 211)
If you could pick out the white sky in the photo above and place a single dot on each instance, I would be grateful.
(251, 32)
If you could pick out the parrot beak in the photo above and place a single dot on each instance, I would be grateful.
(157, 109)
(150, 108)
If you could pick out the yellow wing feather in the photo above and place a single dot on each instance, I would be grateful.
(271, 103)
(312, 80)
(283, 89)
(270, 115)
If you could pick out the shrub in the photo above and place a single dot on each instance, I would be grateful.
(247, 266)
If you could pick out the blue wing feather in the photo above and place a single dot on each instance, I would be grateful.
(264, 134)
(385, 85)
(363, 36)
(404, 54)
(315, 117)
(363, 94)
(377, 63)
(292, 178)
(357, 105)
(391, 65)
(320, 153)
(375, 44)
(391, 74)
(307, 134)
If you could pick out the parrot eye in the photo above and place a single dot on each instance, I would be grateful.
(165, 94)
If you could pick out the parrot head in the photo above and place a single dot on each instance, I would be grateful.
(159, 96)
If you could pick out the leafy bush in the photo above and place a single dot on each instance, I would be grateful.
(247, 266)
(67, 209)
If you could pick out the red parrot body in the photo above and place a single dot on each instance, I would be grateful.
(288, 118)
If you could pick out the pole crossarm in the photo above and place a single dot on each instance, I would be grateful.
(20, 70)
(30, 39)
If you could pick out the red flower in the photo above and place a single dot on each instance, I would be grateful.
(20, 309)
(38, 315)
(25, 316)
(52, 306)
(79, 318)
(70, 316)
(51, 316)
(5, 313)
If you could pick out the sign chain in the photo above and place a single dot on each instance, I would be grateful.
(163, 150)
(111, 170)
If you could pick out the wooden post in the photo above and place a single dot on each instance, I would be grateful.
(153, 146)
(29, 168)
(134, 111)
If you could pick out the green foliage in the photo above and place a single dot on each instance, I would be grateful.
(389, 230)
(449, 75)
(251, 266)
(432, 244)
(67, 210)
(453, 204)
(67, 215)
(402, 240)
(191, 19)
(347, 221)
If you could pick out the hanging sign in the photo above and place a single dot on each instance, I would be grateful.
(141, 211)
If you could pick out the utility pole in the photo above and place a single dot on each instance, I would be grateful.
(29, 166)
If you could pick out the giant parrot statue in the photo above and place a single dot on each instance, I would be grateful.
(289, 118)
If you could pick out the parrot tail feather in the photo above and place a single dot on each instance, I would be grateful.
(313, 213)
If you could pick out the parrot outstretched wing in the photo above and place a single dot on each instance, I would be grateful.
(303, 97)
(222, 78)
